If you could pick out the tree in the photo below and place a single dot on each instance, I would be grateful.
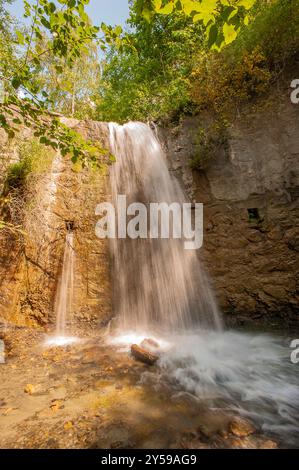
(73, 91)
(66, 32)
(150, 79)
(222, 19)
(8, 59)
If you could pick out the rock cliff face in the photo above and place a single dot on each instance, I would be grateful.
(251, 239)
(30, 266)
(250, 196)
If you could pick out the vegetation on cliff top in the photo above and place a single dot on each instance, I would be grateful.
(52, 59)
(59, 36)
(176, 57)
(172, 68)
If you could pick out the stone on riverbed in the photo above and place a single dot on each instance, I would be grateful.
(241, 427)
(143, 355)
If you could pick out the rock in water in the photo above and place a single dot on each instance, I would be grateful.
(150, 344)
(241, 427)
(143, 355)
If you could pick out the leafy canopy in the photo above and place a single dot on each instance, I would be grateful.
(64, 31)
(150, 79)
(222, 19)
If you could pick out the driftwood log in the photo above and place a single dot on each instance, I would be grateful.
(143, 355)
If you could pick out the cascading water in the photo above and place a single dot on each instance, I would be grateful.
(64, 297)
(162, 288)
(160, 284)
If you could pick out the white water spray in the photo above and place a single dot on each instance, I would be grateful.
(163, 292)
(160, 284)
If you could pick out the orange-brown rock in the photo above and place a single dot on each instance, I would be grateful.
(143, 355)
(241, 427)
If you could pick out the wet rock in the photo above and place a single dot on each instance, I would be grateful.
(237, 443)
(268, 444)
(143, 355)
(150, 344)
(241, 427)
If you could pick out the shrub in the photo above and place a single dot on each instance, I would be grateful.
(34, 158)
(246, 68)
(211, 139)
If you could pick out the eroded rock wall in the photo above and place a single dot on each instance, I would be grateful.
(30, 265)
(252, 261)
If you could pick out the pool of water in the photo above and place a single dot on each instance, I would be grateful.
(243, 372)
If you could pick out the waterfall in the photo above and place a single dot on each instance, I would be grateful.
(64, 296)
(158, 282)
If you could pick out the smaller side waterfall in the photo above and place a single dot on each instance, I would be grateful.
(64, 296)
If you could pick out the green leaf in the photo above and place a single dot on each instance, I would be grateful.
(246, 3)
(229, 33)
(204, 17)
(20, 37)
(3, 120)
(147, 15)
(16, 82)
(227, 12)
(167, 9)
(118, 30)
(52, 7)
(17, 121)
(232, 15)
(206, 7)
(188, 6)
(213, 33)
(45, 22)
(157, 4)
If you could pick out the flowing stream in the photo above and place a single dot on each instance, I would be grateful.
(163, 291)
